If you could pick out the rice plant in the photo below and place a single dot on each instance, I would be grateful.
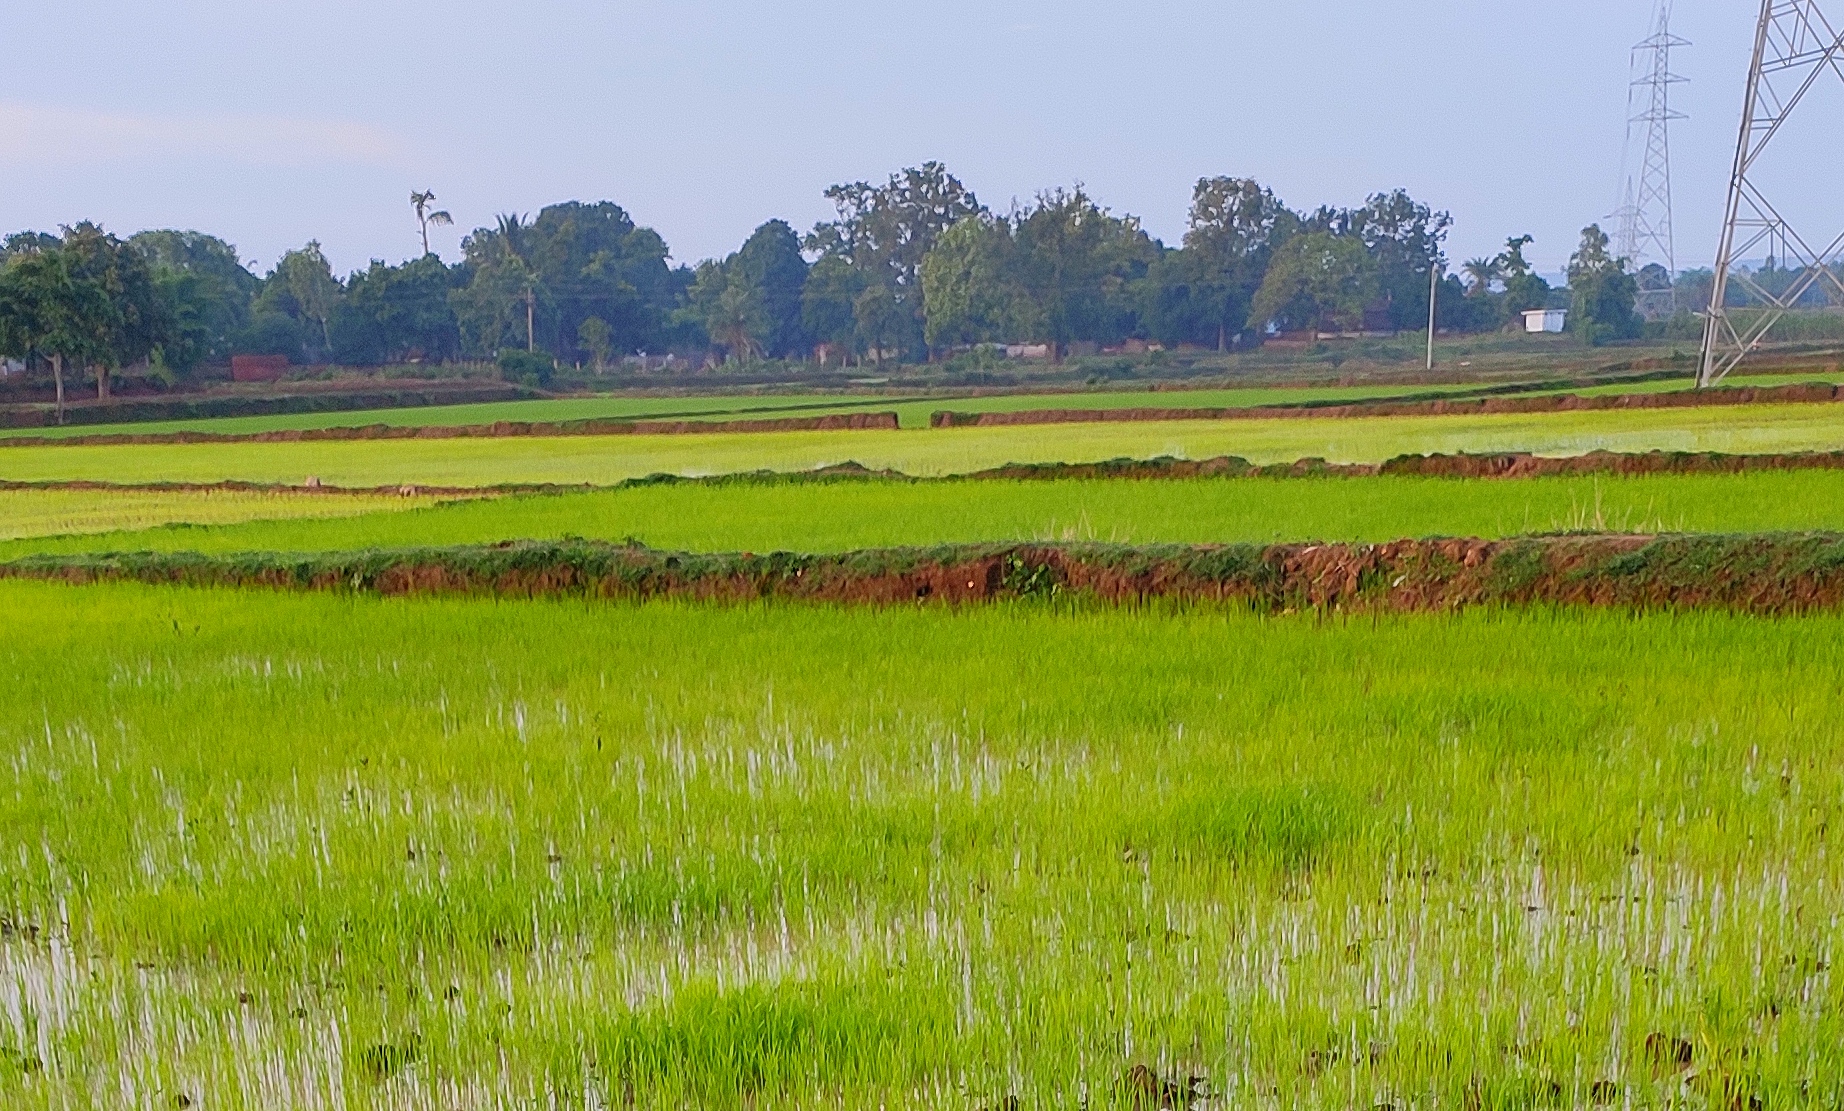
(274, 851)
(845, 516)
(600, 461)
(67, 512)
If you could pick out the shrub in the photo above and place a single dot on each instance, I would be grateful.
(534, 368)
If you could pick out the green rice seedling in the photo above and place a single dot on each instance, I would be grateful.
(846, 516)
(590, 460)
(264, 850)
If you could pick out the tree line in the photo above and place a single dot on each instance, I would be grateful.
(907, 269)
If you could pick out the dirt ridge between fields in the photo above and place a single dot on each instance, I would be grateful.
(1767, 574)
(1505, 465)
(831, 422)
(1815, 393)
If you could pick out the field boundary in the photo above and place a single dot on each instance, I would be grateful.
(302, 399)
(830, 422)
(1768, 574)
(1807, 394)
(1507, 466)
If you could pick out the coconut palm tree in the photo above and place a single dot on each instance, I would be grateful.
(421, 202)
(1481, 273)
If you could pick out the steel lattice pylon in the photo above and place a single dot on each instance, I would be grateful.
(1645, 234)
(1795, 48)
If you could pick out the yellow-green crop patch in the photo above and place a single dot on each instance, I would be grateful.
(610, 459)
(55, 512)
(277, 850)
(839, 516)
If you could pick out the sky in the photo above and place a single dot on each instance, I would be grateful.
(272, 122)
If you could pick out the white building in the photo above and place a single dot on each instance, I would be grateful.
(1546, 320)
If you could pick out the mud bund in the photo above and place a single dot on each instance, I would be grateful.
(1813, 394)
(1769, 574)
(832, 422)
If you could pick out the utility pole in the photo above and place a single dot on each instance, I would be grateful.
(1645, 231)
(1434, 285)
(1795, 48)
(531, 310)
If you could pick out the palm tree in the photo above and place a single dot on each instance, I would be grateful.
(1482, 272)
(511, 230)
(421, 202)
(511, 227)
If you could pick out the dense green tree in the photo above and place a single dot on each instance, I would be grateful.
(1181, 300)
(535, 283)
(1403, 237)
(207, 291)
(497, 307)
(594, 336)
(26, 243)
(969, 289)
(884, 232)
(303, 289)
(127, 320)
(45, 310)
(394, 314)
(771, 266)
(880, 320)
(1525, 289)
(1318, 281)
(829, 301)
(1695, 288)
(1601, 291)
(1234, 228)
(594, 261)
(1077, 266)
(729, 307)
(273, 333)
(194, 332)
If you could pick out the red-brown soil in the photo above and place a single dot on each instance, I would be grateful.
(1777, 574)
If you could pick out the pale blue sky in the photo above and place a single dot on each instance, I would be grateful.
(273, 121)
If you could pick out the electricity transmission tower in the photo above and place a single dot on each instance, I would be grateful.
(1795, 49)
(1644, 231)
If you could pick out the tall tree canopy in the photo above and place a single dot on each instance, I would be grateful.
(208, 292)
(1234, 229)
(1602, 291)
(302, 292)
(397, 314)
(884, 232)
(1318, 281)
(1076, 264)
(129, 321)
(573, 262)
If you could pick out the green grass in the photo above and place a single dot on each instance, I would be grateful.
(842, 516)
(268, 851)
(1739, 381)
(611, 459)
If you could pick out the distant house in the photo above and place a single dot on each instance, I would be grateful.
(1546, 320)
